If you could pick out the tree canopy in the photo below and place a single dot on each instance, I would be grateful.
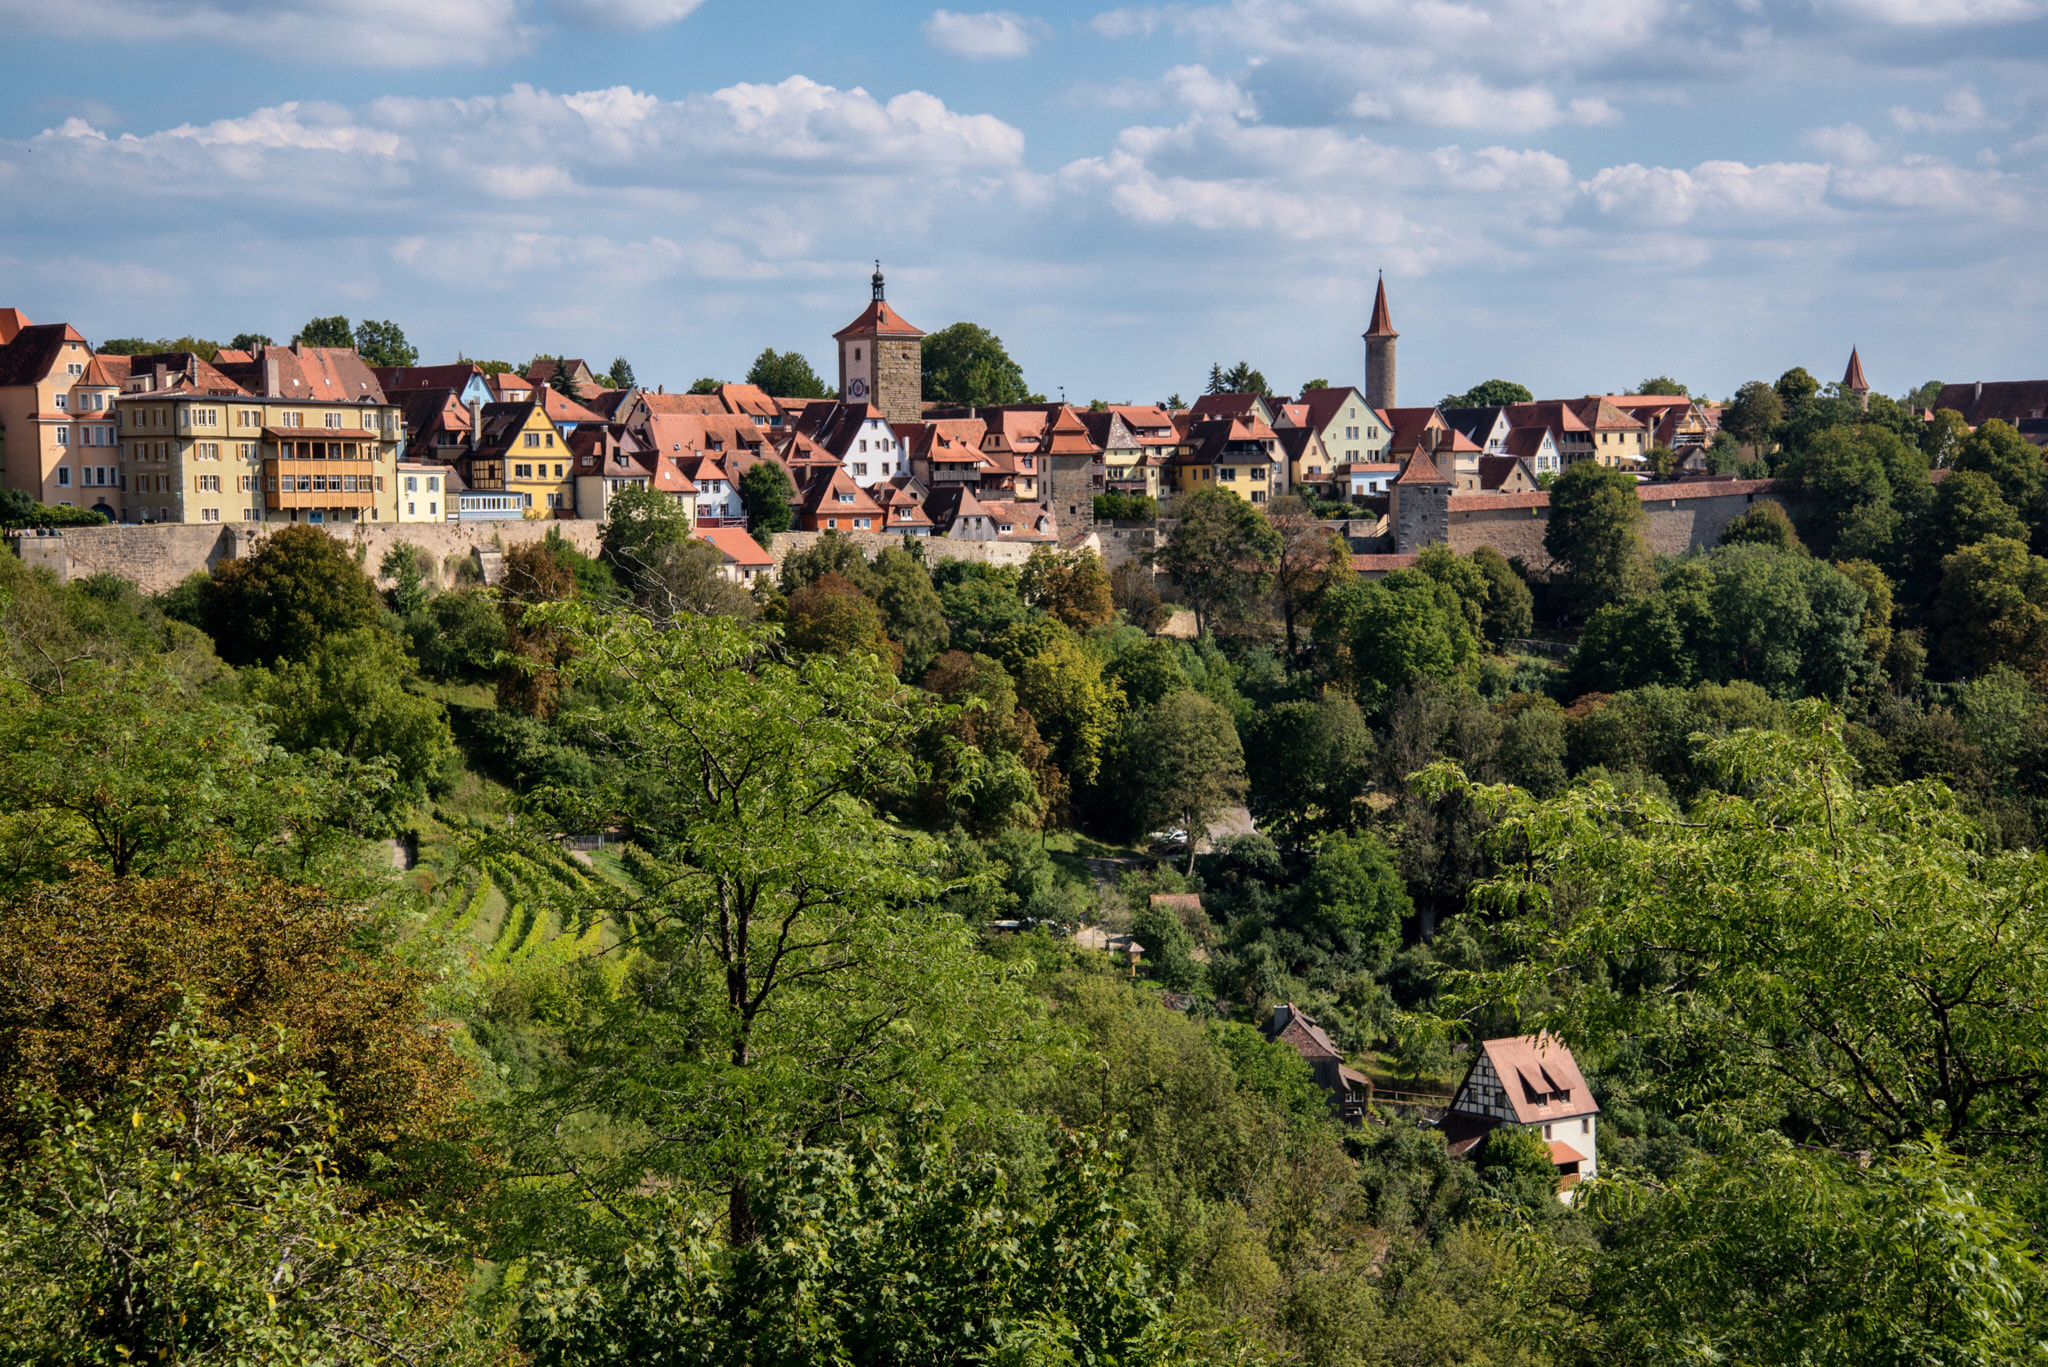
(965, 363)
(786, 374)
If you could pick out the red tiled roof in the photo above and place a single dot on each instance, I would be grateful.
(1381, 325)
(1852, 379)
(1322, 404)
(1421, 470)
(1540, 1080)
(397, 379)
(735, 545)
(12, 321)
(29, 356)
(878, 320)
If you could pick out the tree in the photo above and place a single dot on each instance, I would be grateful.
(1062, 687)
(829, 554)
(200, 1215)
(1194, 766)
(1877, 605)
(1219, 552)
(1353, 901)
(1753, 415)
(688, 576)
(765, 492)
(1116, 507)
(1595, 536)
(1765, 524)
(786, 374)
(830, 616)
(1785, 621)
(1307, 763)
(384, 344)
(300, 586)
(2013, 463)
(1865, 989)
(706, 385)
(1510, 611)
(459, 637)
(1133, 589)
(806, 985)
(1391, 632)
(1662, 384)
(402, 566)
(1968, 508)
(1239, 379)
(137, 346)
(1307, 385)
(1490, 394)
(1796, 388)
(327, 332)
(1071, 585)
(966, 364)
(620, 376)
(1993, 607)
(350, 697)
(531, 680)
(639, 526)
(1943, 437)
(247, 341)
(1309, 560)
(911, 610)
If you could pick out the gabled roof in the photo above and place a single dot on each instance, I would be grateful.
(1421, 470)
(1409, 424)
(398, 379)
(564, 409)
(182, 372)
(2007, 400)
(1149, 423)
(1230, 406)
(1206, 441)
(749, 399)
(1499, 471)
(501, 425)
(1526, 441)
(737, 547)
(1852, 379)
(949, 441)
(1381, 325)
(30, 355)
(823, 498)
(315, 374)
(669, 477)
(1324, 404)
(1300, 1030)
(900, 502)
(1067, 435)
(877, 320)
(1296, 441)
(117, 369)
(12, 321)
(1540, 1080)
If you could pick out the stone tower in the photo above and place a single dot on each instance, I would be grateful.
(881, 361)
(1419, 505)
(1853, 383)
(1379, 353)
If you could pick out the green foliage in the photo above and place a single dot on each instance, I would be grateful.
(1753, 414)
(1220, 552)
(620, 376)
(765, 493)
(1765, 524)
(1116, 507)
(350, 697)
(911, 611)
(202, 1216)
(1489, 394)
(786, 375)
(459, 637)
(402, 565)
(2013, 463)
(1385, 634)
(1595, 537)
(965, 363)
(1308, 763)
(1239, 379)
(326, 332)
(136, 346)
(1993, 607)
(1508, 611)
(300, 587)
(1662, 384)
(1796, 387)
(1062, 686)
(384, 344)
(1189, 766)
(1514, 1168)
(706, 385)
(640, 525)
(19, 509)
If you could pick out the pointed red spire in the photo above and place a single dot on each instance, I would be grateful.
(1853, 381)
(1382, 325)
(1421, 470)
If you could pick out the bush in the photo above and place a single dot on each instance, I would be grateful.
(1119, 507)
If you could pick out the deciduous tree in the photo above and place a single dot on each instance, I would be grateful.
(966, 364)
(786, 374)
(1220, 552)
(300, 586)
(1595, 536)
(1193, 766)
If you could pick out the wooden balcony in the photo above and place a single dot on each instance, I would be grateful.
(319, 484)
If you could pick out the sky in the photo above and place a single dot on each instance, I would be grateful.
(1571, 194)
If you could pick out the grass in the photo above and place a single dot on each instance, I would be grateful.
(1071, 851)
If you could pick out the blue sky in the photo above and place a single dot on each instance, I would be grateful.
(1570, 193)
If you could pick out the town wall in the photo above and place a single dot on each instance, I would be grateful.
(1677, 518)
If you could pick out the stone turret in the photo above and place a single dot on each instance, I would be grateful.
(1379, 353)
(1419, 505)
(1853, 383)
(881, 360)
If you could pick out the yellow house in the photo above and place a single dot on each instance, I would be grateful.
(1238, 454)
(292, 434)
(57, 438)
(521, 453)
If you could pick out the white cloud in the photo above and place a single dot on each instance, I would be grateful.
(624, 15)
(1464, 102)
(338, 32)
(1961, 111)
(996, 34)
(1942, 13)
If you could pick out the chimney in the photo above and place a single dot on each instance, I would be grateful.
(1977, 393)
(270, 377)
(476, 422)
(1280, 1017)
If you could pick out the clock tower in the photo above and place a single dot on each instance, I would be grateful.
(881, 361)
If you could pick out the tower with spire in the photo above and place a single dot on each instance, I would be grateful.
(881, 359)
(1853, 383)
(1379, 352)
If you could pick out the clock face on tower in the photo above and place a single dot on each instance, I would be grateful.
(858, 389)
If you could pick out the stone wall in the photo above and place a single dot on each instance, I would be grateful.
(1678, 518)
(899, 379)
(155, 557)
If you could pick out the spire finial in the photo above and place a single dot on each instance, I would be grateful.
(878, 279)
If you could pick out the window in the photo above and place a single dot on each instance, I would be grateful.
(305, 484)
(209, 515)
(860, 467)
(1585, 1124)
(551, 439)
(558, 472)
(831, 524)
(62, 400)
(412, 484)
(249, 515)
(348, 484)
(433, 484)
(369, 421)
(522, 472)
(291, 420)
(860, 524)
(533, 438)
(1228, 474)
(316, 516)
(273, 484)
(248, 418)
(63, 436)
(410, 510)
(63, 477)
(1546, 1131)
(556, 501)
(332, 419)
(246, 450)
(433, 509)
(208, 484)
(863, 445)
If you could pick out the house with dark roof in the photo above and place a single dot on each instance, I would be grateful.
(1528, 1082)
(581, 376)
(57, 426)
(2019, 403)
(1350, 1090)
(1238, 454)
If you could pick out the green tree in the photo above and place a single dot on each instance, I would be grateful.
(966, 364)
(1515, 1168)
(1765, 524)
(2011, 461)
(765, 493)
(1062, 687)
(1785, 621)
(829, 554)
(786, 375)
(530, 677)
(1968, 508)
(706, 385)
(328, 332)
(806, 985)
(299, 587)
(1194, 766)
(401, 565)
(1489, 394)
(137, 346)
(1943, 437)
(688, 576)
(640, 525)
(1753, 415)
(1070, 585)
(1220, 552)
(201, 1216)
(1147, 672)
(981, 601)
(384, 344)
(1993, 608)
(831, 616)
(350, 697)
(1353, 900)
(1662, 384)
(620, 376)
(248, 341)
(1308, 763)
(911, 610)
(1308, 562)
(1116, 507)
(1239, 379)
(1392, 632)
(1796, 388)
(459, 637)
(1595, 536)
(1510, 611)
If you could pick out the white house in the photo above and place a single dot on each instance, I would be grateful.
(1531, 1082)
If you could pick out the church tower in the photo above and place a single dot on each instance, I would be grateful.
(881, 360)
(1379, 353)
(1853, 383)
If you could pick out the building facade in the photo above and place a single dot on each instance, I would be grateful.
(881, 360)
